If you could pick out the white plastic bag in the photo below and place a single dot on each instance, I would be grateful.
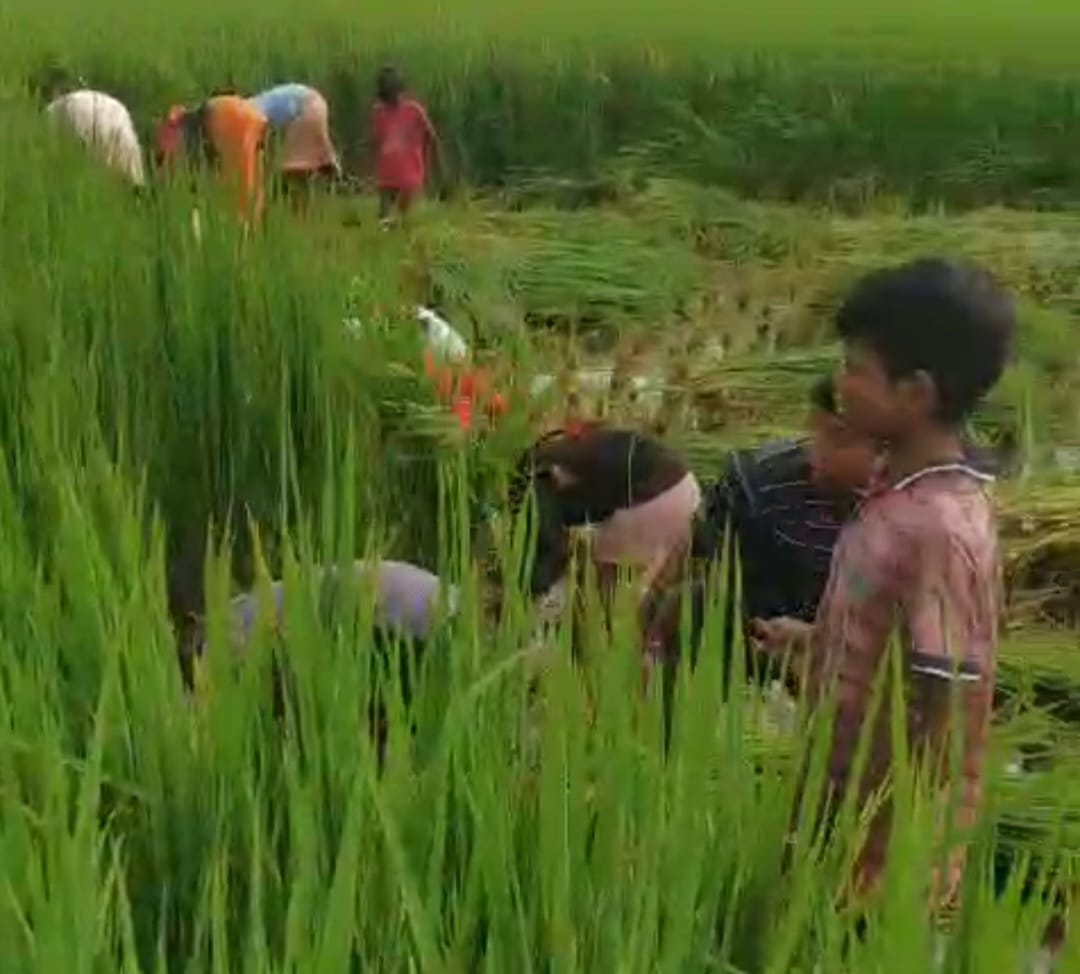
(442, 338)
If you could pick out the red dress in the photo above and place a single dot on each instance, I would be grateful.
(402, 134)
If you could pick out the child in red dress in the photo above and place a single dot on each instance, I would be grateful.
(403, 138)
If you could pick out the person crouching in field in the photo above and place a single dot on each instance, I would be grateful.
(403, 140)
(225, 132)
(634, 501)
(924, 343)
(101, 122)
(785, 502)
(409, 604)
(300, 114)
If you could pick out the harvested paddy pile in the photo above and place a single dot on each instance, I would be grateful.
(594, 273)
(1040, 525)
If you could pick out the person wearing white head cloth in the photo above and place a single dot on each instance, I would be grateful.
(104, 125)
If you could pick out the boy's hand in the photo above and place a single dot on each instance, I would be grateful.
(775, 637)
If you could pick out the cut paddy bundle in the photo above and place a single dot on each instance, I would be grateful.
(1042, 548)
(575, 274)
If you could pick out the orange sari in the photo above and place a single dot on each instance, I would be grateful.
(236, 129)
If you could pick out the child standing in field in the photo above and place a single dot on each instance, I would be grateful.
(923, 344)
(403, 139)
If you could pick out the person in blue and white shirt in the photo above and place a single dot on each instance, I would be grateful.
(301, 115)
(103, 124)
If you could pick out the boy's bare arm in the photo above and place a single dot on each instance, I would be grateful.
(943, 702)
(948, 698)
(951, 614)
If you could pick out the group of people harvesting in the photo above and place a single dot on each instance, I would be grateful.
(231, 134)
(878, 522)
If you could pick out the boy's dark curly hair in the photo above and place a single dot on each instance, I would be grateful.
(947, 318)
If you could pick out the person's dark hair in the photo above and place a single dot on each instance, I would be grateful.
(823, 395)
(545, 520)
(389, 85)
(197, 142)
(948, 318)
(611, 468)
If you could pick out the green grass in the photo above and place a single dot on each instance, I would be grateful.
(143, 831)
(962, 103)
(152, 390)
(1001, 30)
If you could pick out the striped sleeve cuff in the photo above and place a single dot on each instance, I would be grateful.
(945, 668)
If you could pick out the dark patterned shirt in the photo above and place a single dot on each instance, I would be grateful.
(786, 528)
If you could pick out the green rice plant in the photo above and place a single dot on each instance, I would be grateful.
(848, 104)
(208, 833)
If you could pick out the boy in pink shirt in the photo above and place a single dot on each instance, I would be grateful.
(403, 137)
(924, 343)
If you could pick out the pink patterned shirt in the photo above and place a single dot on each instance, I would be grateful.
(920, 559)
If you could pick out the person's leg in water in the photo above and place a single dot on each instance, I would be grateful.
(329, 177)
(300, 186)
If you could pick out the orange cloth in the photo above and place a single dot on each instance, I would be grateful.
(466, 388)
(236, 129)
(169, 137)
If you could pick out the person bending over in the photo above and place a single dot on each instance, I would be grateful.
(410, 603)
(632, 501)
(101, 122)
(301, 116)
(226, 133)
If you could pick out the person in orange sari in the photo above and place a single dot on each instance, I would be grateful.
(227, 132)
